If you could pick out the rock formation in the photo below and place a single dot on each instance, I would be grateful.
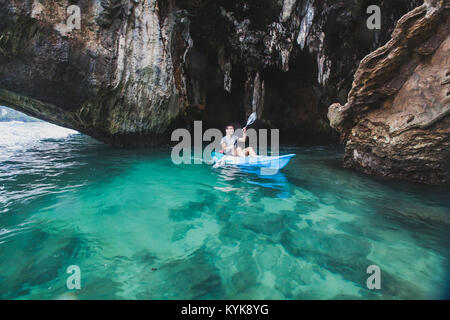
(113, 79)
(137, 69)
(396, 122)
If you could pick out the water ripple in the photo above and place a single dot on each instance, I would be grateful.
(141, 227)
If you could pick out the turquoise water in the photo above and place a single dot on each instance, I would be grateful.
(140, 227)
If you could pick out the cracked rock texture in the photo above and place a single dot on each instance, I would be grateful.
(396, 122)
(137, 69)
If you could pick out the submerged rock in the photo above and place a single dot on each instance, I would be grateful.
(396, 121)
(135, 70)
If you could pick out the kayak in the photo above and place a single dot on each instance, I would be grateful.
(271, 163)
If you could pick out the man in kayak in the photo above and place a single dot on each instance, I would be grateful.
(229, 144)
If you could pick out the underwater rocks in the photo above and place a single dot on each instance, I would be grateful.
(135, 70)
(396, 121)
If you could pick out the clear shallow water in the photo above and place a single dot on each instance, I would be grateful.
(140, 227)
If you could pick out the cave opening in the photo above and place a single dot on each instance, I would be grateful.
(208, 99)
(290, 101)
(293, 102)
(21, 130)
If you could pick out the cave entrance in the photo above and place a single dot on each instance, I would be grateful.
(293, 102)
(209, 101)
(19, 131)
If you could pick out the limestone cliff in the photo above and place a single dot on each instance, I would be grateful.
(112, 79)
(396, 122)
(137, 69)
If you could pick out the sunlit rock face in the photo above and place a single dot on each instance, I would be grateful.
(396, 121)
(138, 69)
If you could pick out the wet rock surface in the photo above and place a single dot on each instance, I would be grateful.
(396, 122)
(138, 69)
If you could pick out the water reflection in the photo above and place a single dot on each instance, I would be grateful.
(276, 182)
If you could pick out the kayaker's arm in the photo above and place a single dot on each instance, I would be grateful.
(244, 135)
(225, 147)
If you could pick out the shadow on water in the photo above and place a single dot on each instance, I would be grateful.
(276, 185)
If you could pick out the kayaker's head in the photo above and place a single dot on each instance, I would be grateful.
(229, 130)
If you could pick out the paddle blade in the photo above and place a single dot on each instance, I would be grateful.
(251, 119)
